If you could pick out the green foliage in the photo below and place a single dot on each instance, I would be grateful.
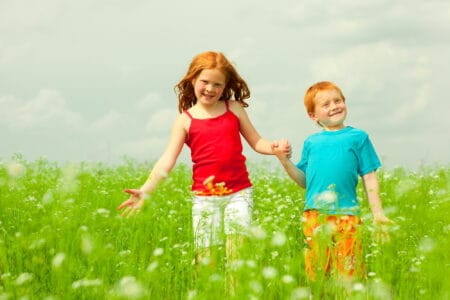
(62, 237)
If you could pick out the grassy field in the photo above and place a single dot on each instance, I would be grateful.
(61, 237)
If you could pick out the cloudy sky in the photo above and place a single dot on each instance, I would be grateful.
(93, 80)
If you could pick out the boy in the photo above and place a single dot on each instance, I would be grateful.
(329, 167)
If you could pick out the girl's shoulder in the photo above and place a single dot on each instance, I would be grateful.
(183, 120)
(235, 107)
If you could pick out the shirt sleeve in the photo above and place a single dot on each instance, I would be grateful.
(367, 158)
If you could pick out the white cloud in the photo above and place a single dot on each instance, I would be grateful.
(46, 109)
(161, 121)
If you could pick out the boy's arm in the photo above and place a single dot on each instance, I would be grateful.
(372, 188)
(295, 173)
(279, 149)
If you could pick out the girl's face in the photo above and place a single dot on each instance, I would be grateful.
(209, 86)
(330, 110)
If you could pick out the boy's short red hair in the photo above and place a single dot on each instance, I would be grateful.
(312, 91)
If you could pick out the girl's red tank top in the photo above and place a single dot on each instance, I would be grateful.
(216, 150)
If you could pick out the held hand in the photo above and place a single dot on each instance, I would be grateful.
(132, 205)
(281, 148)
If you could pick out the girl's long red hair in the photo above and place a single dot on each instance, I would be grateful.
(235, 87)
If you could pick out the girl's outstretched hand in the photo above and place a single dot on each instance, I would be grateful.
(132, 205)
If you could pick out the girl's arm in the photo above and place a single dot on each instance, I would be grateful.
(372, 188)
(160, 171)
(248, 131)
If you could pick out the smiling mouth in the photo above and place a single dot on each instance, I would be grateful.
(335, 113)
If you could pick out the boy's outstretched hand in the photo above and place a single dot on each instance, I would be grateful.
(132, 205)
(381, 225)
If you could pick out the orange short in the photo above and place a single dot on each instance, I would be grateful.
(332, 245)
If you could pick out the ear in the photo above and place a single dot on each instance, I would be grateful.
(312, 116)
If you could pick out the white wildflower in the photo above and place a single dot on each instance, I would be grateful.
(15, 169)
(257, 232)
(87, 245)
(269, 272)
(23, 278)
(287, 279)
(58, 259)
(84, 282)
(152, 266)
(158, 252)
(301, 293)
(128, 287)
(278, 239)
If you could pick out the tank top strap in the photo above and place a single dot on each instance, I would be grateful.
(188, 114)
(227, 105)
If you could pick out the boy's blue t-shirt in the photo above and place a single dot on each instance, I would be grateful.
(332, 161)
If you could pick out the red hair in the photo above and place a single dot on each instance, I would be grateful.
(312, 91)
(235, 87)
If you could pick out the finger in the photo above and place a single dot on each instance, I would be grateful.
(133, 192)
(125, 203)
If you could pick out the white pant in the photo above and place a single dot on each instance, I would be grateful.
(213, 216)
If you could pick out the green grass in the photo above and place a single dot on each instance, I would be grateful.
(61, 237)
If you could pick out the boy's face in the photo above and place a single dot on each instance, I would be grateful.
(330, 110)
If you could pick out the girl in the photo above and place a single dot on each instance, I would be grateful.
(212, 97)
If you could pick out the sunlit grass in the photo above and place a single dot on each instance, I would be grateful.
(61, 237)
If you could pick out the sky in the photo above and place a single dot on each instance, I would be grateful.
(94, 80)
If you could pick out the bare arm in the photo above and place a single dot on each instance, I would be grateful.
(248, 131)
(295, 173)
(160, 171)
(372, 189)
